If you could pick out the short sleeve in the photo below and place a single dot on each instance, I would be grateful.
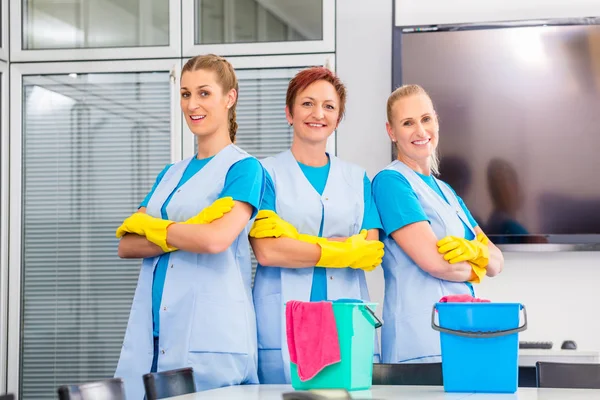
(371, 218)
(396, 201)
(268, 201)
(245, 181)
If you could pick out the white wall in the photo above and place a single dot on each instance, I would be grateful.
(364, 63)
(560, 290)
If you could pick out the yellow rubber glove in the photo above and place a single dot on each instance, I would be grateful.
(363, 262)
(483, 242)
(456, 249)
(475, 252)
(355, 252)
(130, 225)
(213, 212)
(154, 229)
(477, 273)
(480, 271)
(270, 225)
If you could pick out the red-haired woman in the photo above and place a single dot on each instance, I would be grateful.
(317, 231)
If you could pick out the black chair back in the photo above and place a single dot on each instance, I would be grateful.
(160, 385)
(110, 389)
(568, 376)
(8, 396)
(408, 374)
(527, 377)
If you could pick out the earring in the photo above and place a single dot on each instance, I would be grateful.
(291, 124)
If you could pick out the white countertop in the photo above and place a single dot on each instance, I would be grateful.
(273, 392)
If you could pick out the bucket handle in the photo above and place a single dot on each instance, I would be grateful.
(371, 317)
(480, 334)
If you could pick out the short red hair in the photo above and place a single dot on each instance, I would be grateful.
(309, 76)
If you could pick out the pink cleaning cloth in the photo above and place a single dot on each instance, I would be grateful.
(311, 336)
(462, 298)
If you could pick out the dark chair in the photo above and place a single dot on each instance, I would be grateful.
(408, 374)
(160, 385)
(110, 389)
(562, 375)
(527, 377)
(7, 397)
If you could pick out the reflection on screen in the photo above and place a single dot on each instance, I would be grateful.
(519, 113)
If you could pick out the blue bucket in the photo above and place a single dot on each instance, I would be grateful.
(480, 345)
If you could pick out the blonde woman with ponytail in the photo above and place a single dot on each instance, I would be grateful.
(193, 303)
(433, 246)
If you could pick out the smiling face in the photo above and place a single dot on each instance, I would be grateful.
(315, 112)
(205, 106)
(414, 129)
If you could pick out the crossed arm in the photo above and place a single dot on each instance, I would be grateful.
(292, 253)
(211, 238)
(420, 243)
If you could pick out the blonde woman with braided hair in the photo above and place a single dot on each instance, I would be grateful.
(193, 303)
(433, 246)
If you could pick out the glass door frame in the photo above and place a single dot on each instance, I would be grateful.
(18, 54)
(4, 31)
(17, 72)
(4, 143)
(190, 48)
(285, 61)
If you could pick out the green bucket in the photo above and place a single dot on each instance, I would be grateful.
(356, 323)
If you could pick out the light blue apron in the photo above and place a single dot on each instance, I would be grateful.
(207, 319)
(410, 292)
(342, 204)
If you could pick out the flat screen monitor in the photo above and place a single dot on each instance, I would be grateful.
(519, 112)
